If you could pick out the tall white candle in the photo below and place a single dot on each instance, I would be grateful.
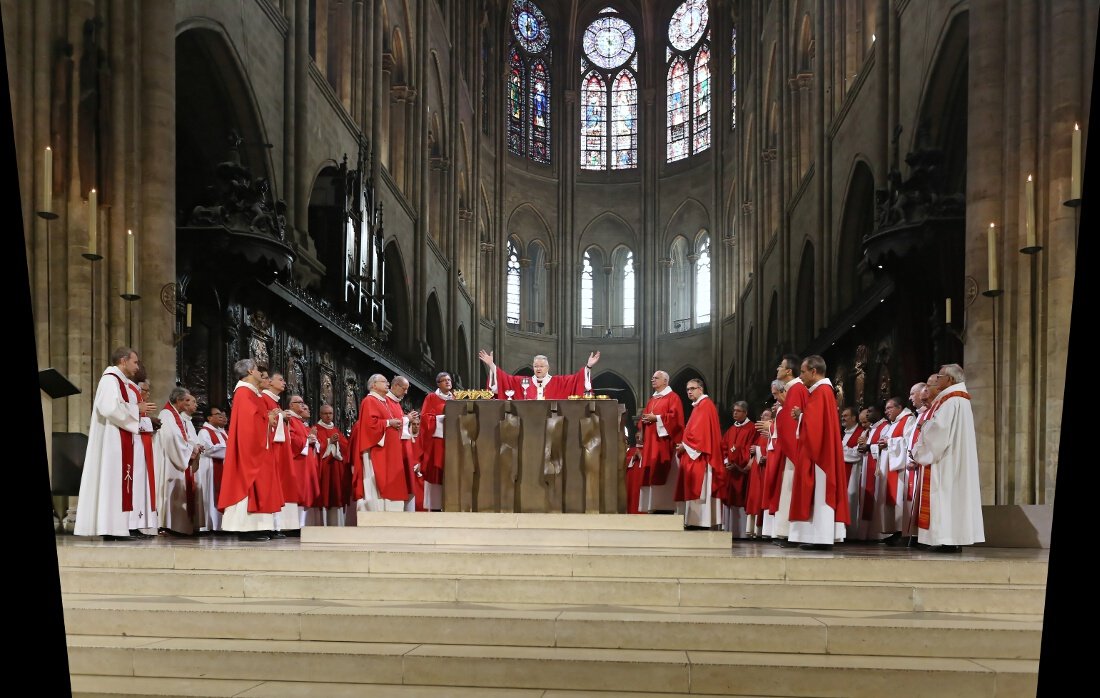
(947, 311)
(994, 281)
(1029, 219)
(188, 315)
(47, 180)
(130, 270)
(1075, 171)
(93, 215)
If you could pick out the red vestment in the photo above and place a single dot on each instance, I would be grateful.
(248, 469)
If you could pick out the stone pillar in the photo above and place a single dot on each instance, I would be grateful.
(302, 160)
(287, 189)
(984, 189)
(156, 246)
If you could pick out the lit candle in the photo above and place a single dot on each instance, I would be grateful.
(188, 315)
(993, 280)
(947, 312)
(1029, 220)
(1075, 172)
(93, 214)
(47, 179)
(130, 263)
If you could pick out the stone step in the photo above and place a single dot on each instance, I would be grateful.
(876, 596)
(755, 562)
(516, 537)
(479, 519)
(134, 686)
(607, 627)
(654, 671)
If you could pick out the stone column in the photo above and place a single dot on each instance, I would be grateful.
(156, 246)
(302, 160)
(984, 189)
(287, 189)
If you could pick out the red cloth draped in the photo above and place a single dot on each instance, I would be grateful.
(740, 438)
(634, 473)
(558, 387)
(387, 459)
(431, 458)
(306, 467)
(821, 447)
(282, 453)
(868, 507)
(217, 463)
(658, 451)
(703, 434)
(248, 469)
(333, 492)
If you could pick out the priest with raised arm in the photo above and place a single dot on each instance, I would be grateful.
(542, 385)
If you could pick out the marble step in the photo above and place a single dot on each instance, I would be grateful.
(479, 519)
(757, 562)
(654, 671)
(137, 686)
(516, 537)
(660, 628)
(840, 595)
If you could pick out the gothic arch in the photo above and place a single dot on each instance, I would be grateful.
(679, 381)
(608, 228)
(462, 352)
(435, 333)
(396, 303)
(616, 386)
(856, 222)
(527, 218)
(943, 103)
(804, 329)
(688, 219)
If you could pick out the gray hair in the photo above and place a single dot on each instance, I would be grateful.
(178, 393)
(815, 363)
(954, 372)
(662, 374)
(743, 405)
(243, 367)
(540, 356)
(439, 376)
(779, 386)
(121, 353)
(399, 380)
(918, 387)
(374, 379)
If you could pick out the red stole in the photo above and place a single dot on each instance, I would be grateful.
(558, 387)
(892, 475)
(146, 438)
(869, 474)
(188, 475)
(215, 438)
(852, 442)
(127, 440)
(924, 515)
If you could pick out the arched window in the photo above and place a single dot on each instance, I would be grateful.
(609, 85)
(622, 292)
(529, 83)
(535, 290)
(679, 284)
(733, 78)
(688, 86)
(512, 286)
(587, 290)
(702, 281)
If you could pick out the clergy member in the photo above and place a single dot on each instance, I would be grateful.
(737, 445)
(633, 461)
(410, 443)
(380, 483)
(334, 462)
(305, 449)
(177, 460)
(432, 444)
(662, 427)
(288, 519)
(251, 492)
(819, 494)
(853, 459)
(787, 435)
(702, 466)
(542, 385)
(892, 514)
(107, 479)
(212, 438)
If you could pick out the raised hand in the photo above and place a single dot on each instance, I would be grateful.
(486, 357)
(593, 358)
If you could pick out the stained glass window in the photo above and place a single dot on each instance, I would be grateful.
(609, 41)
(701, 102)
(587, 291)
(688, 87)
(593, 123)
(529, 83)
(539, 145)
(517, 74)
(512, 285)
(677, 110)
(687, 25)
(733, 78)
(609, 95)
(530, 26)
(624, 122)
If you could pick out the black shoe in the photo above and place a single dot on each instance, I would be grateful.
(784, 543)
(295, 533)
(276, 534)
(137, 533)
(894, 539)
(945, 549)
(815, 546)
(112, 538)
(254, 536)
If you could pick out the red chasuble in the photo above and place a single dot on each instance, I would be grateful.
(633, 479)
(773, 468)
(704, 435)
(306, 467)
(754, 498)
(852, 442)
(283, 454)
(557, 387)
(821, 448)
(248, 470)
(332, 478)
(658, 451)
(388, 458)
(431, 458)
(742, 437)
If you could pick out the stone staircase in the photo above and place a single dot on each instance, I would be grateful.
(459, 608)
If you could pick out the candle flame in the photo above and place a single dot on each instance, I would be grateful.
(1029, 178)
(1076, 127)
(130, 232)
(990, 225)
